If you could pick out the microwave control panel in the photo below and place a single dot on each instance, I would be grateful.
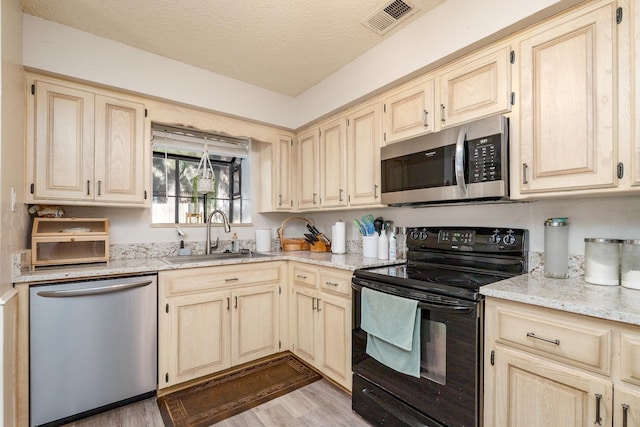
(485, 156)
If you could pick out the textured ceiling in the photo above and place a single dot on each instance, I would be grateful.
(282, 45)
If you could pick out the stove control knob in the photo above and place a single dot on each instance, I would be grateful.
(423, 235)
(509, 239)
(413, 234)
(495, 238)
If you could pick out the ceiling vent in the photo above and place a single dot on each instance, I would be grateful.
(388, 16)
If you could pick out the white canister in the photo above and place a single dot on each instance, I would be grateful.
(630, 264)
(556, 248)
(370, 246)
(263, 239)
(602, 261)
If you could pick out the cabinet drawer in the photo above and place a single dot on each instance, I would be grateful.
(335, 282)
(305, 276)
(199, 279)
(630, 357)
(566, 339)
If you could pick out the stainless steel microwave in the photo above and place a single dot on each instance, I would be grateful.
(468, 162)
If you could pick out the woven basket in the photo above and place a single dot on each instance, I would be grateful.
(293, 243)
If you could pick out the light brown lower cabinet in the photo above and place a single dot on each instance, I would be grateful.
(558, 369)
(213, 318)
(320, 314)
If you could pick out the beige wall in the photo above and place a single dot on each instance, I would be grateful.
(13, 223)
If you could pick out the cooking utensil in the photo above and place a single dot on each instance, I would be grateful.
(361, 227)
(377, 224)
(311, 238)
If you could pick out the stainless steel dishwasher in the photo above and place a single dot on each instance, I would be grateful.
(93, 346)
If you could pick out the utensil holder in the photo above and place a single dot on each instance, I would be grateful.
(370, 246)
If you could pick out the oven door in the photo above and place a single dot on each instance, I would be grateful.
(448, 392)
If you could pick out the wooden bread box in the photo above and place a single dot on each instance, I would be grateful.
(56, 241)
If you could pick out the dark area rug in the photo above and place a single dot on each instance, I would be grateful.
(221, 397)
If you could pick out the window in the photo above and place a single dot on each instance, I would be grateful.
(177, 155)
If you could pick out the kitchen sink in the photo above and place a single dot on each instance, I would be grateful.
(219, 256)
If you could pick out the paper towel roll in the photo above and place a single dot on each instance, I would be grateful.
(338, 240)
(263, 239)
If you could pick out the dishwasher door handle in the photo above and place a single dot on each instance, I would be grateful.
(93, 291)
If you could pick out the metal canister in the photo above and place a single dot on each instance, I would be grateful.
(602, 261)
(630, 264)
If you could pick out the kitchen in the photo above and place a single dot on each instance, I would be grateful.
(611, 216)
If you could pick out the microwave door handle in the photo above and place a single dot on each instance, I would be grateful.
(459, 162)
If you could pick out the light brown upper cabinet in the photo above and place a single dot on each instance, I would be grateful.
(85, 148)
(364, 139)
(567, 125)
(284, 171)
(477, 86)
(333, 163)
(308, 173)
(409, 110)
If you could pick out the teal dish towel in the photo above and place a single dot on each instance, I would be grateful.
(393, 330)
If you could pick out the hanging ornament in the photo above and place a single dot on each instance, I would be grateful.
(205, 181)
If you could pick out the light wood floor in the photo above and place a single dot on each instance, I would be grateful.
(318, 404)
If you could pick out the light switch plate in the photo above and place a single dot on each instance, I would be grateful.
(13, 199)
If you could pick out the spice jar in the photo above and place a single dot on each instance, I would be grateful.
(602, 261)
(630, 264)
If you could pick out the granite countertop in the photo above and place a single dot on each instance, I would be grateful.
(153, 265)
(615, 303)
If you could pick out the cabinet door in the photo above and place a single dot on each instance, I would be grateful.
(198, 336)
(64, 142)
(333, 163)
(534, 392)
(305, 330)
(308, 170)
(255, 323)
(626, 408)
(284, 171)
(363, 155)
(335, 325)
(475, 87)
(120, 161)
(567, 104)
(409, 111)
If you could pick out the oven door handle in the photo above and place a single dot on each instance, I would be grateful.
(458, 309)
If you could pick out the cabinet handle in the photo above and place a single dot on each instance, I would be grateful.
(625, 410)
(533, 335)
(524, 173)
(88, 188)
(313, 303)
(235, 302)
(425, 118)
(300, 276)
(99, 188)
(314, 198)
(598, 419)
(233, 279)
(375, 191)
(228, 303)
(279, 199)
(318, 304)
(341, 190)
(331, 283)
(442, 119)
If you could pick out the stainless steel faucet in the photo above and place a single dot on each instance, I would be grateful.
(227, 229)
